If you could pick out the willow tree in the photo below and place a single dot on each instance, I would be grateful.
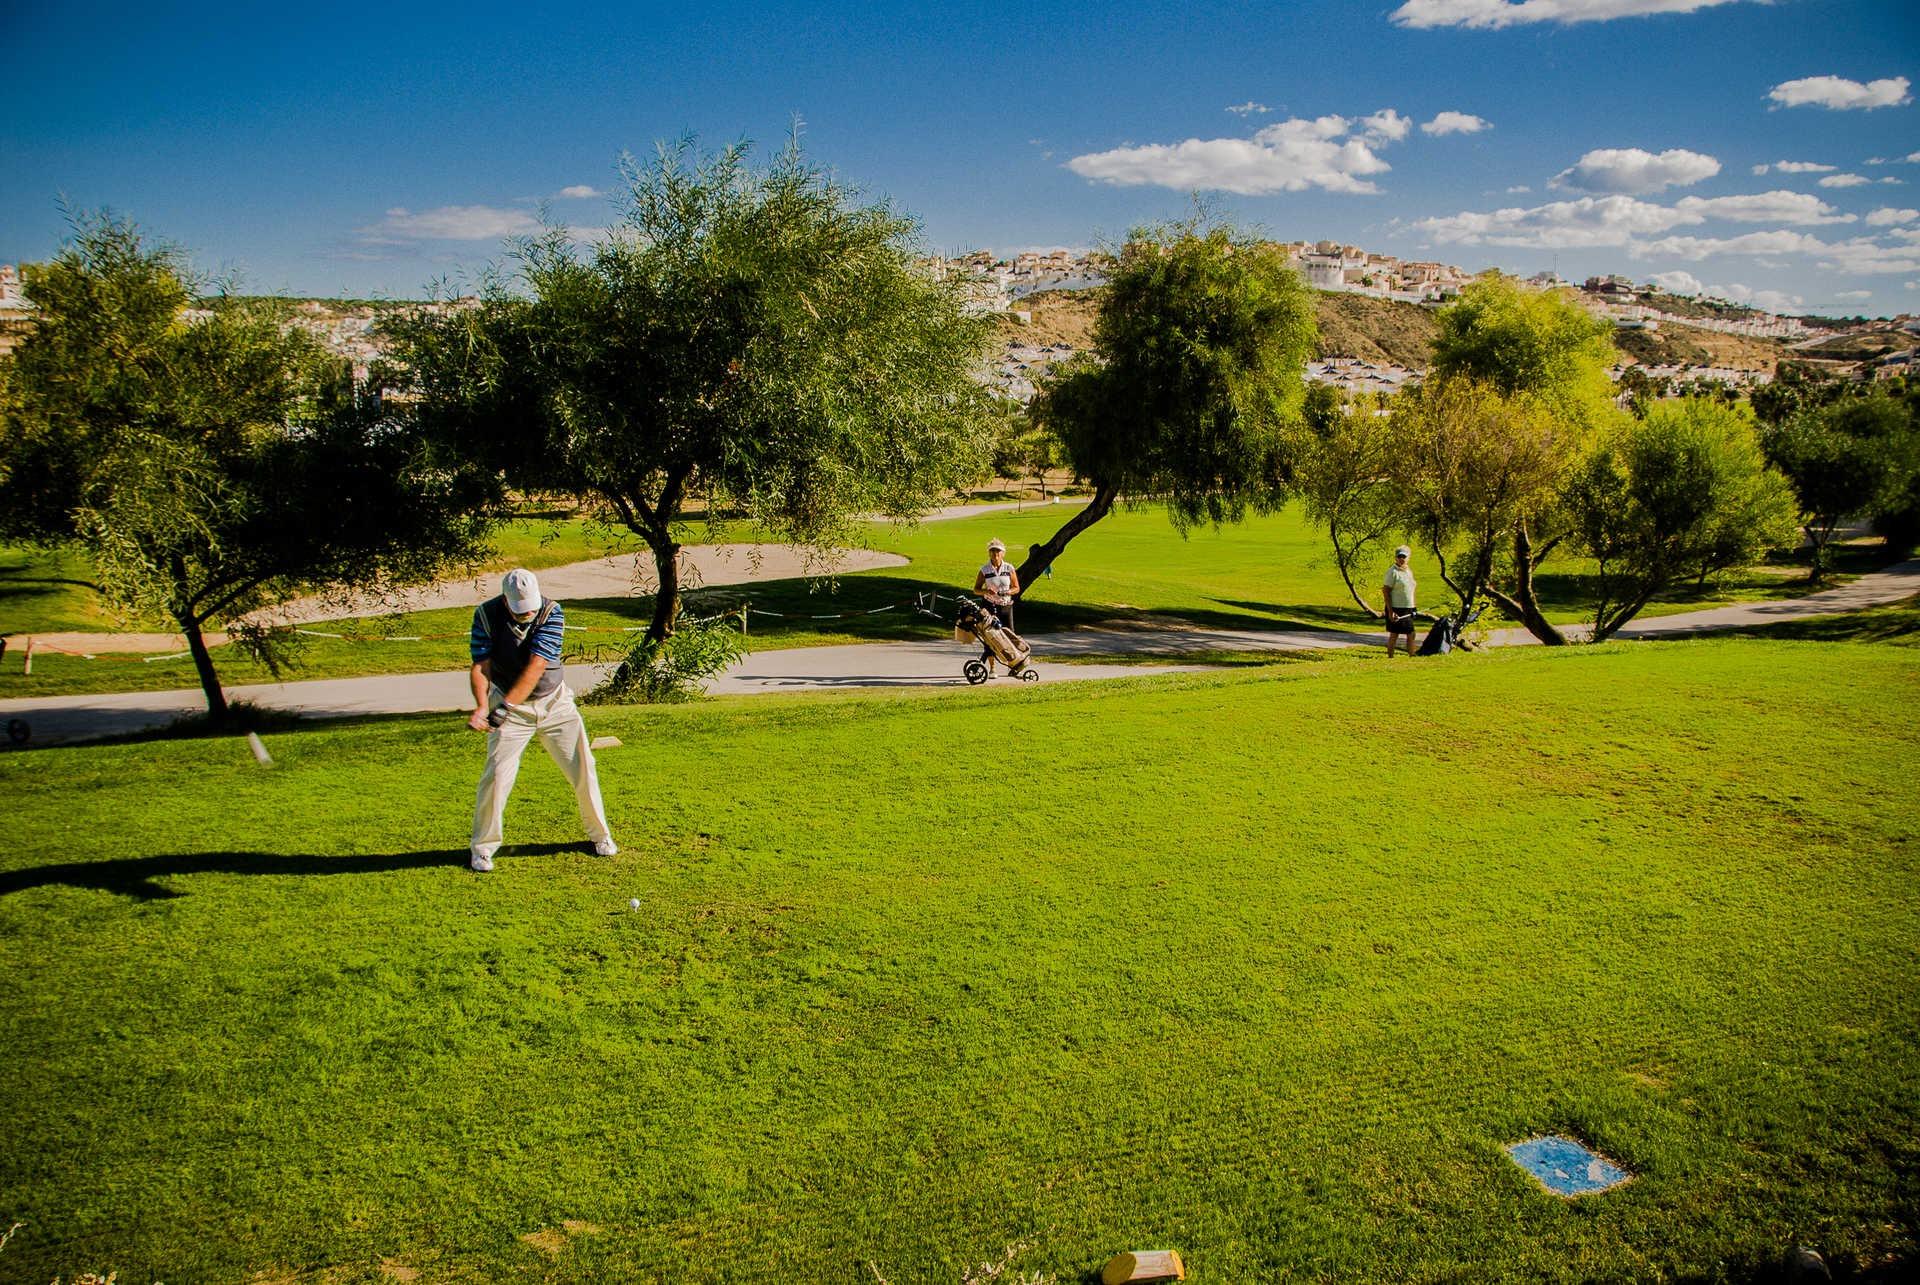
(1192, 393)
(758, 339)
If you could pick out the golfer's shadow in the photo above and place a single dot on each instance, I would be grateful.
(137, 876)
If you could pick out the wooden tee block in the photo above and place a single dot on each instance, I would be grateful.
(1144, 1265)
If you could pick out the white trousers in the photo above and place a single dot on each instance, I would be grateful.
(556, 720)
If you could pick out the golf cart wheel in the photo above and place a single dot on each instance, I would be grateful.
(976, 672)
(1029, 675)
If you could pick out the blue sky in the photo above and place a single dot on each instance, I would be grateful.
(370, 151)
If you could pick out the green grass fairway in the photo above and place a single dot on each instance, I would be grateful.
(1267, 573)
(1263, 966)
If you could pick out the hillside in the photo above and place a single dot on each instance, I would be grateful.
(1674, 344)
(1350, 325)
(1355, 325)
(1059, 317)
(1862, 346)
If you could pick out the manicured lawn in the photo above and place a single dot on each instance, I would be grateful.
(1270, 572)
(1265, 966)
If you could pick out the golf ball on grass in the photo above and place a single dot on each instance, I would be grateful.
(633, 903)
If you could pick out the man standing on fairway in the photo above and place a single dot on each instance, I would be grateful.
(1397, 594)
(519, 692)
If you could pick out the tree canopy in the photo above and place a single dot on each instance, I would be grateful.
(1542, 348)
(1678, 495)
(1194, 388)
(757, 338)
(212, 461)
(1853, 456)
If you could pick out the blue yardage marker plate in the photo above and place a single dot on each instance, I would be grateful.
(1566, 1168)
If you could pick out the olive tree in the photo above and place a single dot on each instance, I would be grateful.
(1852, 457)
(1192, 392)
(210, 459)
(1679, 495)
(756, 339)
(1541, 348)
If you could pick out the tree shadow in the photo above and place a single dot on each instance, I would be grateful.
(1314, 615)
(136, 876)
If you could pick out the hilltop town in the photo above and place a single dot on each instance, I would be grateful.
(1375, 320)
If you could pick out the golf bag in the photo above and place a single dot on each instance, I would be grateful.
(1446, 631)
(996, 640)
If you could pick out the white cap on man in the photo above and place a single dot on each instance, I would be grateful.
(1403, 552)
(995, 544)
(521, 591)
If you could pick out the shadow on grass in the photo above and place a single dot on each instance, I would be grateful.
(136, 876)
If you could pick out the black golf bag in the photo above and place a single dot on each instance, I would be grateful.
(1446, 631)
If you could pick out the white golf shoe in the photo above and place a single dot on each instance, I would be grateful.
(606, 847)
(483, 864)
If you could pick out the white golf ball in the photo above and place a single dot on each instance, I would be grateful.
(633, 903)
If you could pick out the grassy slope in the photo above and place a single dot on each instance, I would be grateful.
(1244, 976)
(1267, 573)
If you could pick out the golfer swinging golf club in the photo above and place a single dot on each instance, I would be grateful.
(519, 692)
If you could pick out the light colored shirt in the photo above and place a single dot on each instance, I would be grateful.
(1401, 584)
(997, 583)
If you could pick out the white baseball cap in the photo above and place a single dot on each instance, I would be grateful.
(521, 591)
(995, 544)
(1402, 552)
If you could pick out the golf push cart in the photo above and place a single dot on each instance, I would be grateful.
(1446, 632)
(972, 622)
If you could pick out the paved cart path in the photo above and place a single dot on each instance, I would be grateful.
(931, 664)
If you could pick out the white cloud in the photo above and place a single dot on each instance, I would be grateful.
(1588, 221)
(1765, 300)
(1386, 125)
(1702, 247)
(1796, 167)
(1896, 182)
(1886, 215)
(1250, 108)
(1631, 170)
(1845, 180)
(1841, 94)
(1494, 14)
(1686, 283)
(1862, 256)
(1802, 209)
(577, 192)
(1455, 123)
(1678, 283)
(1290, 156)
(1909, 159)
(1519, 187)
(1851, 295)
(450, 223)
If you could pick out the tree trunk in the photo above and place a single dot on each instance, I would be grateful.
(1041, 556)
(1605, 629)
(203, 662)
(1344, 562)
(666, 602)
(1523, 593)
